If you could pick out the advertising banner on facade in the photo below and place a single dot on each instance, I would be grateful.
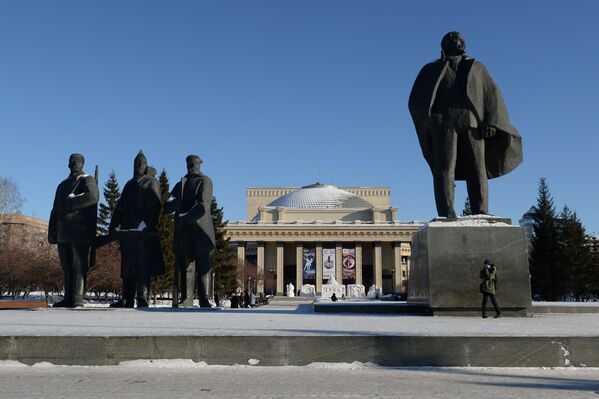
(328, 263)
(349, 263)
(309, 263)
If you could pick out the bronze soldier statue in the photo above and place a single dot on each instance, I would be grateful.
(194, 240)
(141, 256)
(73, 227)
(463, 126)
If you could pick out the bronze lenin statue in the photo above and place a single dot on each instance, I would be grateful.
(463, 126)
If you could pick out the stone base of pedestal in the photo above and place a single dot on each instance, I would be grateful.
(447, 257)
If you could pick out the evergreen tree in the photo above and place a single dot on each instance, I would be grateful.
(575, 259)
(593, 243)
(467, 209)
(544, 249)
(112, 193)
(223, 260)
(164, 284)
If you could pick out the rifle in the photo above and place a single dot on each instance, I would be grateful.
(92, 253)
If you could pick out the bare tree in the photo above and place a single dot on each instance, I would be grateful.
(10, 198)
(106, 276)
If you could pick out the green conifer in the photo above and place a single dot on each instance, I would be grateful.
(575, 260)
(163, 285)
(112, 193)
(544, 248)
(467, 208)
(223, 260)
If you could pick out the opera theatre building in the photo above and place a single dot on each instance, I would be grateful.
(308, 235)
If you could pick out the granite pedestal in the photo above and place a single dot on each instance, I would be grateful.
(447, 258)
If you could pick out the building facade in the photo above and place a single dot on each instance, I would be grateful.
(308, 235)
(23, 232)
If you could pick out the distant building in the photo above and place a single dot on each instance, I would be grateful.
(20, 231)
(528, 222)
(307, 235)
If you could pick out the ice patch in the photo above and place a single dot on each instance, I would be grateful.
(566, 353)
(12, 363)
(342, 366)
(43, 365)
(163, 363)
(470, 221)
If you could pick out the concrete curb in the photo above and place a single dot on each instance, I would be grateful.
(390, 351)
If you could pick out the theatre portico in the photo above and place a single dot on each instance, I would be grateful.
(307, 235)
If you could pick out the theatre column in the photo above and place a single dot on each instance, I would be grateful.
(358, 263)
(378, 264)
(397, 287)
(280, 260)
(338, 262)
(299, 265)
(319, 267)
(260, 269)
(241, 252)
(407, 252)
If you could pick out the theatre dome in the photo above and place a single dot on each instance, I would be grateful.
(320, 196)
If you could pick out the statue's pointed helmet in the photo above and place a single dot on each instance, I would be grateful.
(140, 157)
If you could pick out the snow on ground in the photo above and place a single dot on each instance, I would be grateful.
(279, 320)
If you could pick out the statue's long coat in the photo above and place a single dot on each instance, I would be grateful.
(503, 152)
(139, 202)
(73, 218)
(192, 196)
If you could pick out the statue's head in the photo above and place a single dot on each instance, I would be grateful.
(193, 163)
(140, 164)
(76, 162)
(453, 44)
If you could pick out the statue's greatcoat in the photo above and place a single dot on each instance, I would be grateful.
(140, 201)
(503, 152)
(191, 198)
(74, 213)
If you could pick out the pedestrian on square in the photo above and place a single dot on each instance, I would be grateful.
(488, 287)
(246, 299)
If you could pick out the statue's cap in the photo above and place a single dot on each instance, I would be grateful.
(449, 37)
(141, 157)
(77, 157)
(193, 158)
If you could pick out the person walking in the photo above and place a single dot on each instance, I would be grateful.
(488, 287)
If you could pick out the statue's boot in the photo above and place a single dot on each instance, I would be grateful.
(78, 290)
(142, 294)
(203, 284)
(188, 285)
(62, 304)
(127, 301)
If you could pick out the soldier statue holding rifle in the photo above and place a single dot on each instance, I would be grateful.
(194, 239)
(73, 227)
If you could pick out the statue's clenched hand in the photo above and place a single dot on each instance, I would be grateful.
(489, 131)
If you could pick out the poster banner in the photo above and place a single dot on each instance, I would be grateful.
(309, 263)
(328, 263)
(349, 263)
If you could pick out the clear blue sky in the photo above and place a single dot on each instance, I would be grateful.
(284, 93)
